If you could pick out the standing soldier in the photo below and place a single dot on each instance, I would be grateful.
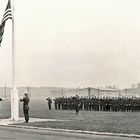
(77, 104)
(55, 103)
(25, 101)
(49, 102)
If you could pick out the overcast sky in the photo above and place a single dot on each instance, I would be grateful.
(73, 43)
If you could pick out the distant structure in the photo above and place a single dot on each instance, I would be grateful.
(134, 91)
(89, 91)
(109, 92)
(100, 92)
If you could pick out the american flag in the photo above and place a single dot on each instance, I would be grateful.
(7, 15)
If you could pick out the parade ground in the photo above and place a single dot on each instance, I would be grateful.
(99, 121)
(12, 133)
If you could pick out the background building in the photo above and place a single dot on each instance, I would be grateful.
(134, 91)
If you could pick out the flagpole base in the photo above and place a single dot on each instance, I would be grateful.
(14, 105)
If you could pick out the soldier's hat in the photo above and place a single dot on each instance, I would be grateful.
(26, 93)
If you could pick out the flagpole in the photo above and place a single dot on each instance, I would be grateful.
(14, 93)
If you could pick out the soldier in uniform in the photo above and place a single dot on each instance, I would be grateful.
(55, 103)
(25, 101)
(77, 104)
(49, 102)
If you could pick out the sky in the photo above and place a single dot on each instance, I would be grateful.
(73, 43)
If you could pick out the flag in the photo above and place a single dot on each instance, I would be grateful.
(7, 15)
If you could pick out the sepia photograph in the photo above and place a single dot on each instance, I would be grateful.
(69, 70)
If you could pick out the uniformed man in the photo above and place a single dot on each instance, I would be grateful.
(25, 101)
(55, 103)
(77, 104)
(49, 102)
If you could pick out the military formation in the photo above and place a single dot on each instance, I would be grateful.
(97, 104)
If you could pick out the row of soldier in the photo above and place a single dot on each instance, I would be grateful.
(95, 104)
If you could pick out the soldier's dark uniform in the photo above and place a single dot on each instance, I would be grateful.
(77, 104)
(55, 103)
(25, 101)
(49, 102)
